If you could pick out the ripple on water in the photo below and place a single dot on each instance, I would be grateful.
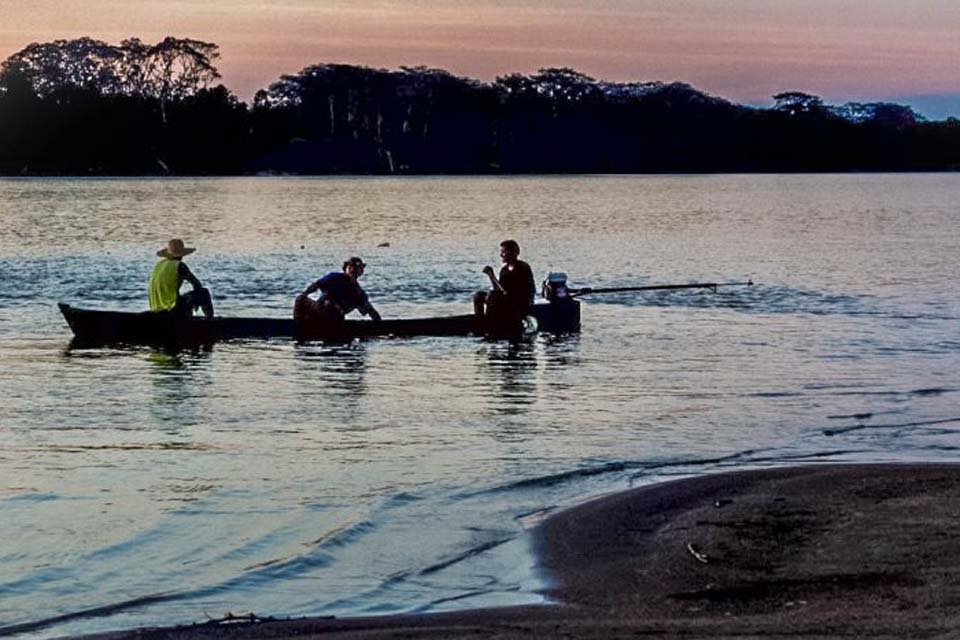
(144, 487)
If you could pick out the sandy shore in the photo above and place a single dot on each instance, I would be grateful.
(805, 552)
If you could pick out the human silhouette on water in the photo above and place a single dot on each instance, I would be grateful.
(167, 277)
(508, 302)
(341, 293)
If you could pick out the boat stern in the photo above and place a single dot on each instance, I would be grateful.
(558, 316)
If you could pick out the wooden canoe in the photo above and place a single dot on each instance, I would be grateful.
(94, 327)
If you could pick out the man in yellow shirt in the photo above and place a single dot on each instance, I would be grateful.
(165, 281)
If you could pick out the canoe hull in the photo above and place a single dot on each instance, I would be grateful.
(94, 327)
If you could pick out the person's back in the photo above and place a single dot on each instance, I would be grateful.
(168, 274)
(164, 287)
(343, 291)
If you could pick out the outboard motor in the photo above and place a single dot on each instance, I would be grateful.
(562, 314)
(555, 289)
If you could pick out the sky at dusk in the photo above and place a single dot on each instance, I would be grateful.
(742, 50)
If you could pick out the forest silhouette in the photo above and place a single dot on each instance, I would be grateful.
(86, 107)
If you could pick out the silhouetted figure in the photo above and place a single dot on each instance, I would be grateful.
(341, 293)
(165, 281)
(508, 302)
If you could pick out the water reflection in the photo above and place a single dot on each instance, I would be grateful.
(511, 367)
(178, 380)
(521, 373)
(333, 376)
(561, 350)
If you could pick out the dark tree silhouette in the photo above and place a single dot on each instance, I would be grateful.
(169, 70)
(794, 102)
(89, 107)
(85, 106)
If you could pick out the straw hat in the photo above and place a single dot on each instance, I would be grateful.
(175, 249)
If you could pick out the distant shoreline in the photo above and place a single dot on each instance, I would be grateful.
(530, 174)
(813, 551)
(340, 119)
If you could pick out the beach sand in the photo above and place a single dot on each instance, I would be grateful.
(817, 551)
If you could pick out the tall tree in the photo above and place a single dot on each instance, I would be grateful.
(172, 69)
(49, 67)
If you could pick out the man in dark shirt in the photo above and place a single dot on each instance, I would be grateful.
(509, 301)
(340, 294)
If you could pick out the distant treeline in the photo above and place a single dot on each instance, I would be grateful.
(86, 107)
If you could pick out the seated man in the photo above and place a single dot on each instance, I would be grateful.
(341, 294)
(512, 295)
(165, 281)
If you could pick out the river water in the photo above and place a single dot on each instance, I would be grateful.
(402, 474)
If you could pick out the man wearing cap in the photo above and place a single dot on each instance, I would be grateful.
(340, 294)
(166, 279)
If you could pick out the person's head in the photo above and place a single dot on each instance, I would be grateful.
(509, 251)
(175, 250)
(354, 267)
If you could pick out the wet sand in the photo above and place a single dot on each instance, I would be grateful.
(818, 551)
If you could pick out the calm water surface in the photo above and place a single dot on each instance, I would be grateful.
(401, 475)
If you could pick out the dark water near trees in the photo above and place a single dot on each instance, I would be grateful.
(400, 475)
